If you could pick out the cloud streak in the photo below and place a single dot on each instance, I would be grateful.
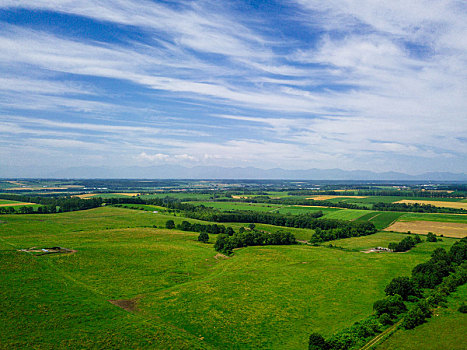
(334, 83)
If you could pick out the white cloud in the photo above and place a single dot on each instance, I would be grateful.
(386, 80)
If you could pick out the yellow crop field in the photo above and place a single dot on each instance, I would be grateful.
(324, 197)
(456, 205)
(448, 229)
(15, 204)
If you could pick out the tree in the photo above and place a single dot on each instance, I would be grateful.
(431, 237)
(416, 316)
(392, 305)
(203, 237)
(385, 319)
(170, 224)
(251, 226)
(317, 342)
(229, 231)
(220, 243)
(402, 286)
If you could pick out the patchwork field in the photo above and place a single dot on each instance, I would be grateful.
(185, 296)
(448, 229)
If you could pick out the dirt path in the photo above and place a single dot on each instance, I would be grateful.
(376, 339)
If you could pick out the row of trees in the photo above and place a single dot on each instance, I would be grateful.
(433, 280)
(226, 244)
(325, 229)
(196, 227)
(416, 208)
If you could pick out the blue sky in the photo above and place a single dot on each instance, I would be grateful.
(298, 84)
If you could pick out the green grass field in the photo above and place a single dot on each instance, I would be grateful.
(381, 219)
(181, 195)
(459, 218)
(446, 329)
(346, 214)
(187, 297)
(224, 206)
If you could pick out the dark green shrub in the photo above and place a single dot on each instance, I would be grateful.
(203, 237)
(317, 342)
(431, 237)
(385, 319)
(462, 308)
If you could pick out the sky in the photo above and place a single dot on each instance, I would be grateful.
(296, 84)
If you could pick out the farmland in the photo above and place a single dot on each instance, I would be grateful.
(173, 278)
(442, 204)
(129, 282)
(448, 229)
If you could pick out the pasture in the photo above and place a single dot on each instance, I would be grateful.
(186, 295)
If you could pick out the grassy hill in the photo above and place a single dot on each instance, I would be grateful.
(184, 294)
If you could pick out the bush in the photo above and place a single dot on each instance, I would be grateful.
(317, 342)
(203, 237)
(170, 224)
(431, 237)
(462, 308)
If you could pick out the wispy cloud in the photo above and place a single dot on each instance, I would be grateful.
(329, 83)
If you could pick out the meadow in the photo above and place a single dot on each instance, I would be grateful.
(186, 296)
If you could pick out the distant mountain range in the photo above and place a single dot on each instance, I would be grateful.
(215, 172)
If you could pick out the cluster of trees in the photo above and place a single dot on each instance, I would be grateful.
(346, 229)
(438, 277)
(196, 227)
(406, 244)
(226, 244)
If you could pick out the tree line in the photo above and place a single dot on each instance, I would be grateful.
(226, 244)
(325, 229)
(429, 285)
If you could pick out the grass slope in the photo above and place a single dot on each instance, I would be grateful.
(262, 297)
